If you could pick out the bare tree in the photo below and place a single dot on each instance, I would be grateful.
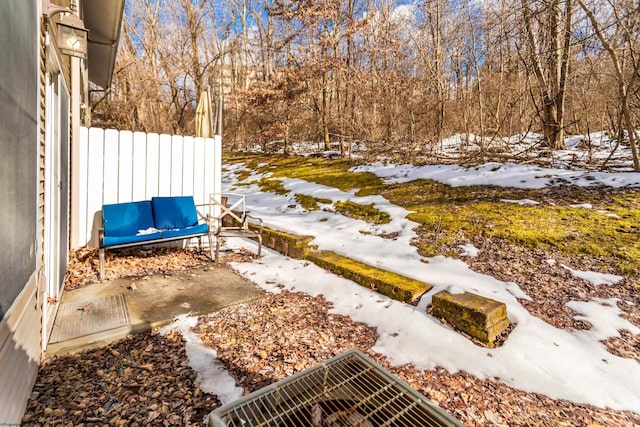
(622, 80)
(400, 76)
(548, 33)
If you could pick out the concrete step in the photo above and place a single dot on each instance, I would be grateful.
(387, 283)
(480, 317)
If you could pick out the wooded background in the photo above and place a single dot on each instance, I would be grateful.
(397, 76)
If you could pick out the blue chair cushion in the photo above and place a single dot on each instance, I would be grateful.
(172, 213)
(127, 219)
(122, 240)
(196, 229)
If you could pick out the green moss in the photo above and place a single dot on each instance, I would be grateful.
(251, 160)
(289, 244)
(570, 230)
(272, 186)
(310, 203)
(366, 213)
(332, 173)
(391, 284)
(242, 175)
(609, 231)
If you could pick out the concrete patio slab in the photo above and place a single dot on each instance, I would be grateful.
(155, 300)
(75, 320)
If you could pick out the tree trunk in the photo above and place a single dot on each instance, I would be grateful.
(551, 75)
(325, 106)
(622, 87)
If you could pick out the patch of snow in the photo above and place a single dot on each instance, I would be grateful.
(469, 250)
(455, 290)
(149, 230)
(522, 202)
(582, 206)
(503, 175)
(212, 377)
(594, 277)
(605, 317)
(608, 214)
(537, 357)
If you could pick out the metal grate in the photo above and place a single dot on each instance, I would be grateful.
(348, 390)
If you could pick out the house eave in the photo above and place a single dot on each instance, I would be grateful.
(103, 19)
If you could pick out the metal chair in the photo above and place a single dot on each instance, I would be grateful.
(229, 218)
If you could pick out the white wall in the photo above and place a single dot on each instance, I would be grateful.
(19, 354)
(123, 166)
(21, 202)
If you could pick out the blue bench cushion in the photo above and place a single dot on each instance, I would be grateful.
(196, 229)
(123, 223)
(133, 238)
(159, 218)
(127, 219)
(172, 213)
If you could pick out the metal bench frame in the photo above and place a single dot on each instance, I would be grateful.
(103, 248)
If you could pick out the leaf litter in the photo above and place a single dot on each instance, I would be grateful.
(145, 379)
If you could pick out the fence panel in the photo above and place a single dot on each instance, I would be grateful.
(153, 160)
(110, 165)
(139, 166)
(176, 165)
(164, 178)
(121, 166)
(125, 167)
(92, 185)
(187, 165)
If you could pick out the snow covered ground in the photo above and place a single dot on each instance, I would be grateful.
(536, 357)
(587, 151)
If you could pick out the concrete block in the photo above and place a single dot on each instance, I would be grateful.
(288, 244)
(480, 317)
(387, 283)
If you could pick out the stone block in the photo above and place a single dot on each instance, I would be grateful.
(391, 284)
(287, 244)
(480, 317)
(387, 283)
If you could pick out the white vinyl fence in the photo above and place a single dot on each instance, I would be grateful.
(122, 166)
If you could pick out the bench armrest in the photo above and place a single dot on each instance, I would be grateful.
(219, 225)
(201, 216)
(247, 217)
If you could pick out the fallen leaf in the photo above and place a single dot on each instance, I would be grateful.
(152, 416)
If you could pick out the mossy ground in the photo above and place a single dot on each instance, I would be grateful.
(609, 231)
(311, 203)
(332, 173)
(272, 186)
(366, 213)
